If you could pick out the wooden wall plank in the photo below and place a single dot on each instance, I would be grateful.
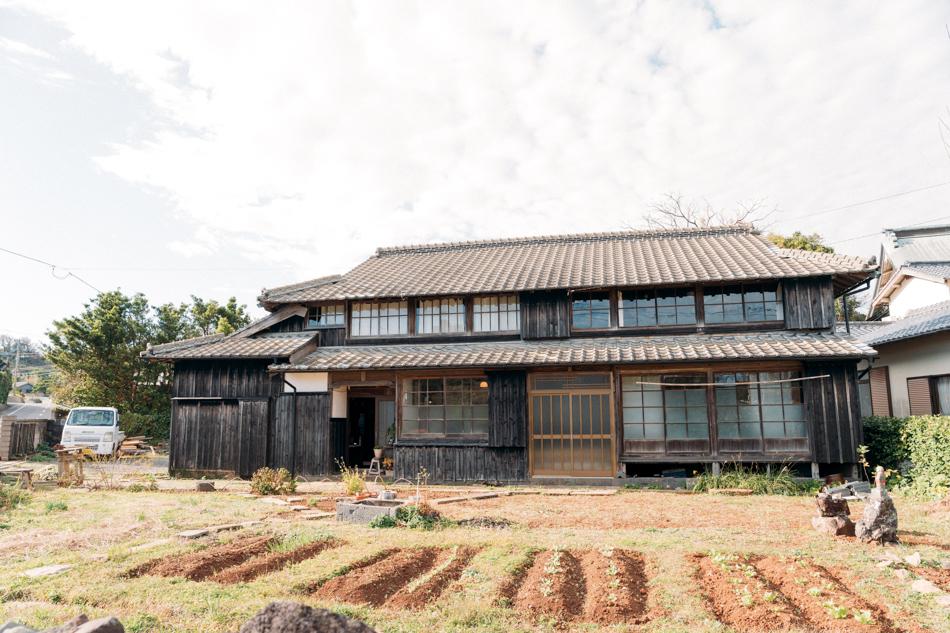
(809, 303)
(447, 464)
(833, 409)
(507, 408)
(545, 314)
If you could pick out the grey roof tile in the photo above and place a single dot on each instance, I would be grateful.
(584, 351)
(920, 322)
(624, 258)
(219, 346)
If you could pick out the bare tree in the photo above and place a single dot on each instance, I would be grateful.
(673, 211)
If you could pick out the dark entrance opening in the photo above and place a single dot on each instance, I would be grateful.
(360, 431)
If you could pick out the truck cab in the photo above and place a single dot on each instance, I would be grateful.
(95, 428)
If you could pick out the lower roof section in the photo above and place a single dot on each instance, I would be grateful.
(584, 351)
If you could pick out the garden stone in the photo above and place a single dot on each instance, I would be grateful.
(922, 585)
(913, 560)
(903, 574)
(69, 627)
(834, 526)
(48, 570)
(879, 521)
(944, 600)
(292, 617)
(829, 506)
(15, 627)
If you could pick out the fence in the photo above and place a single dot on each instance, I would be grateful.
(19, 438)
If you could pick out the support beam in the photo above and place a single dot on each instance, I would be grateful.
(814, 471)
(716, 469)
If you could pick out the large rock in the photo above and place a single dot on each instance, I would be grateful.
(829, 506)
(82, 624)
(291, 617)
(835, 526)
(879, 521)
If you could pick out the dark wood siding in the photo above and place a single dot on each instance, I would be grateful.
(809, 303)
(308, 450)
(291, 324)
(333, 337)
(446, 464)
(545, 314)
(833, 411)
(507, 408)
(224, 379)
(205, 436)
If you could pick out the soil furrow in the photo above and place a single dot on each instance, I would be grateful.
(554, 586)
(274, 561)
(433, 586)
(616, 587)
(207, 562)
(374, 583)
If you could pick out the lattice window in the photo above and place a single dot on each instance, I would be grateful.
(444, 407)
(501, 313)
(646, 308)
(750, 303)
(326, 316)
(440, 316)
(387, 318)
(590, 310)
(752, 411)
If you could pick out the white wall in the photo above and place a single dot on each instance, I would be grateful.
(306, 381)
(339, 402)
(923, 356)
(916, 293)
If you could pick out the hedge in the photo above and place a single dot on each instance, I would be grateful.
(917, 447)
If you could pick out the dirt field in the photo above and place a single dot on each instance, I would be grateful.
(643, 561)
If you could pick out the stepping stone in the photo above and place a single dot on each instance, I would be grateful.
(193, 534)
(295, 499)
(313, 515)
(903, 574)
(48, 570)
(913, 560)
(944, 600)
(924, 586)
(273, 501)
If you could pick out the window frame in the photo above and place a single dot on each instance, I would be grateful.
(664, 423)
(326, 326)
(573, 297)
(354, 319)
(695, 291)
(743, 303)
(435, 315)
(444, 436)
(510, 314)
(760, 404)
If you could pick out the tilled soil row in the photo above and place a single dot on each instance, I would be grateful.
(605, 587)
(446, 571)
(373, 582)
(827, 603)
(207, 562)
(274, 561)
(741, 598)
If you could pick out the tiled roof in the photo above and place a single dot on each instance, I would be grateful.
(594, 260)
(934, 270)
(584, 351)
(861, 329)
(220, 346)
(920, 322)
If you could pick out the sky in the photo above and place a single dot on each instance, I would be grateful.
(214, 149)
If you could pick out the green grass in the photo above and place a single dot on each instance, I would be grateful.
(779, 482)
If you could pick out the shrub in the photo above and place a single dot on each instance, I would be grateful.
(56, 506)
(781, 482)
(884, 441)
(153, 425)
(11, 497)
(927, 441)
(354, 482)
(267, 481)
(420, 516)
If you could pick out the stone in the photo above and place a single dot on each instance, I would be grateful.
(48, 570)
(922, 585)
(885, 563)
(192, 534)
(204, 486)
(879, 521)
(913, 560)
(292, 617)
(834, 526)
(944, 600)
(15, 627)
(69, 627)
(903, 574)
(829, 506)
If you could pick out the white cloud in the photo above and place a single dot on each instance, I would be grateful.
(311, 133)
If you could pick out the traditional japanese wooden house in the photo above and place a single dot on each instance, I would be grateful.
(512, 359)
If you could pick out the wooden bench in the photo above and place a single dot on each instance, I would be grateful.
(24, 476)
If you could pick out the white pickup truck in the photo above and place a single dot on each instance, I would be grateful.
(96, 428)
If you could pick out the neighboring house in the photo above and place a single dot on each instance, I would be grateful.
(911, 375)
(23, 387)
(915, 270)
(511, 359)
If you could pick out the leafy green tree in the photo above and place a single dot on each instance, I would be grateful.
(800, 241)
(97, 353)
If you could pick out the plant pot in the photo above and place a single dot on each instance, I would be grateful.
(378, 453)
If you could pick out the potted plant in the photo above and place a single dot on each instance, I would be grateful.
(378, 452)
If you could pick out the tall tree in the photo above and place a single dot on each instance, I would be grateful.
(209, 317)
(675, 211)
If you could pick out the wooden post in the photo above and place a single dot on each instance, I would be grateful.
(814, 471)
(6, 436)
(716, 469)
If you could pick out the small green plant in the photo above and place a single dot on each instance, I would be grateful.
(777, 482)
(292, 541)
(862, 616)
(746, 599)
(383, 521)
(814, 591)
(267, 481)
(354, 482)
(770, 596)
(11, 497)
(838, 613)
(56, 506)
(416, 516)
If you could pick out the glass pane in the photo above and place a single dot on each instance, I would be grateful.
(772, 413)
(725, 396)
(795, 429)
(714, 314)
(600, 319)
(727, 414)
(754, 312)
(653, 431)
(728, 430)
(732, 313)
(582, 319)
(652, 398)
(697, 431)
(748, 413)
(773, 429)
(676, 431)
(747, 430)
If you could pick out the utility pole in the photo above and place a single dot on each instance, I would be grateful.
(16, 363)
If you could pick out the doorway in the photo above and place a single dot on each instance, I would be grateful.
(360, 431)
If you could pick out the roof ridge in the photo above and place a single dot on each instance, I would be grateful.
(736, 229)
(933, 307)
(309, 283)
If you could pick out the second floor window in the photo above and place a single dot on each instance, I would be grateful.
(440, 316)
(501, 313)
(662, 307)
(325, 316)
(743, 303)
(590, 310)
(385, 318)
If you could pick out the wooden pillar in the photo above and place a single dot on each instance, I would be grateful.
(716, 469)
(6, 436)
(814, 471)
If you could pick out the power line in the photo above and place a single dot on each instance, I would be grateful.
(858, 237)
(863, 202)
(52, 268)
